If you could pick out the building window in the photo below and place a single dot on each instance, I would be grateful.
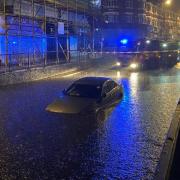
(141, 5)
(111, 18)
(129, 18)
(111, 3)
(141, 19)
(129, 4)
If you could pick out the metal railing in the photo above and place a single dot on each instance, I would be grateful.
(23, 61)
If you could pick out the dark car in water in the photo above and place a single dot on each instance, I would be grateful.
(87, 95)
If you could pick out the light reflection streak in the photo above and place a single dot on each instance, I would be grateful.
(134, 83)
(118, 74)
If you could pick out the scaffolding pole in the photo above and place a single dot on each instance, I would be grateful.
(31, 19)
(67, 40)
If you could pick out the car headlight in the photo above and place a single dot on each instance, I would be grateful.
(134, 65)
(118, 64)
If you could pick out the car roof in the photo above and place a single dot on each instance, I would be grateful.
(93, 80)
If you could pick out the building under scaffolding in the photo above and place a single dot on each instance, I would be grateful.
(45, 32)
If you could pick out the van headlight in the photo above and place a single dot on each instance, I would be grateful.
(118, 64)
(134, 66)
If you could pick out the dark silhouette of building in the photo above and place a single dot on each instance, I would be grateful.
(135, 20)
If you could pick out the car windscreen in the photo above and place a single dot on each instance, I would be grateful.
(84, 90)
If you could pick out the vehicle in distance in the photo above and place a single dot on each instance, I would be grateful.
(127, 61)
(87, 95)
(147, 60)
(131, 65)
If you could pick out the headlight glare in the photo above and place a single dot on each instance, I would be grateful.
(134, 65)
(118, 64)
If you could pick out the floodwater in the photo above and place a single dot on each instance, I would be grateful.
(125, 144)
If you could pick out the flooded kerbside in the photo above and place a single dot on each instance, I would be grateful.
(126, 144)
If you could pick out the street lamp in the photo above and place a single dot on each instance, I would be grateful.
(165, 5)
(168, 2)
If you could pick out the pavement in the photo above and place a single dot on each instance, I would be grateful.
(175, 169)
(167, 162)
(126, 144)
(25, 74)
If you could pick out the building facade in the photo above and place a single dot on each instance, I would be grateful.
(134, 20)
(44, 31)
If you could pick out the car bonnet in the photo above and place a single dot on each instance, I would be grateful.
(69, 105)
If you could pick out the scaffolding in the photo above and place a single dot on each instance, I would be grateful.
(44, 32)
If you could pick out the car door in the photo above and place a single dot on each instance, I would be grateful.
(108, 93)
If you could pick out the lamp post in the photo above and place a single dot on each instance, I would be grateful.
(165, 4)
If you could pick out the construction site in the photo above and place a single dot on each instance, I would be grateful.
(45, 32)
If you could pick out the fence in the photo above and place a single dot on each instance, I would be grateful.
(22, 61)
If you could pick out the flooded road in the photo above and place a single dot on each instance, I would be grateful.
(125, 144)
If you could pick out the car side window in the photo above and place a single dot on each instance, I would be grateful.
(105, 89)
(109, 86)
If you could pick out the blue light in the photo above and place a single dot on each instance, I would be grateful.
(14, 42)
(124, 41)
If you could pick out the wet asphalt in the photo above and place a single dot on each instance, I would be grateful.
(125, 143)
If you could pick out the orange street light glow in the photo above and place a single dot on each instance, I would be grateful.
(168, 2)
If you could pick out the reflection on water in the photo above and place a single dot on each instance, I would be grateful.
(125, 143)
(134, 83)
(118, 74)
